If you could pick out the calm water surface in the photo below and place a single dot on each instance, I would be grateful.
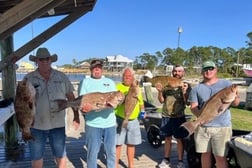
(74, 77)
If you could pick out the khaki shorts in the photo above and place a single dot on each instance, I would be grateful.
(213, 139)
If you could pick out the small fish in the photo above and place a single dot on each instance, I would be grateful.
(166, 81)
(215, 106)
(130, 102)
(97, 100)
(24, 105)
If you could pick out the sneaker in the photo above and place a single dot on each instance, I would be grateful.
(164, 164)
(180, 165)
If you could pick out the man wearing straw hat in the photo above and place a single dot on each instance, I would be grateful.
(50, 84)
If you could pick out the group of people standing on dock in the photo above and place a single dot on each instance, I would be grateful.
(105, 126)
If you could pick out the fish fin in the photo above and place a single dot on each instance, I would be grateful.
(26, 135)
(30, 104)
(221, 109)
(190, 126)
(33, 121)
(125, 123)
(62, 104)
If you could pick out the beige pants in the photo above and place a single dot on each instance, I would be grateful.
(213, 139)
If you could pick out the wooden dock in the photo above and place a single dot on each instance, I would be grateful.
(146, 155)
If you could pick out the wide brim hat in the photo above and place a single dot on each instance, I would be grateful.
(43, 53)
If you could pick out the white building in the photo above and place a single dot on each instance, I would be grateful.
(117, 63)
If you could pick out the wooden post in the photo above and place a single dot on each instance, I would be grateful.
(9, 85)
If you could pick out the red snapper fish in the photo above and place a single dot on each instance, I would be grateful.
(24, 105)
(97, 100)
(166, 81)
(215, 106)
(130, 102)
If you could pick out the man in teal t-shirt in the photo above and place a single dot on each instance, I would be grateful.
(99, 126)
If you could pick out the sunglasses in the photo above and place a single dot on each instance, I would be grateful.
(208, 69)
(44, 59)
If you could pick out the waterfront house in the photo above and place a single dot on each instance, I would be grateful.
(117, 63)
(25, 67)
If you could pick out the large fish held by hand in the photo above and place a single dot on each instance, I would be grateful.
(130, 102)
(24, 105)
(97, 100)
(166, 81)
(215, 106)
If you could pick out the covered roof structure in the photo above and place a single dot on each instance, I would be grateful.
(15, 14)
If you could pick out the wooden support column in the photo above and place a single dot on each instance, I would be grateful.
(9, 86)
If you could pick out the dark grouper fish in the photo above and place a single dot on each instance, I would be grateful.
(97, 100)
(215, 106)
(24, 105)
(130, 102)
(164, 80)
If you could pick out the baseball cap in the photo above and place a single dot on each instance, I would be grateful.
(95, 63)
(207, 64)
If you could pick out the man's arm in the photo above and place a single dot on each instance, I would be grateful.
(159, 88)
(76, 119)
(194, 109)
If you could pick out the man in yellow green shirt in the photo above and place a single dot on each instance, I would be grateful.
(131, 135)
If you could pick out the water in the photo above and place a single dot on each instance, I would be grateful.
(77, 77)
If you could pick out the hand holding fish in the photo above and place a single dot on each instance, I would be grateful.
(131, 100)
(236, 101)
(86, 107)
(213, 107)
(95, 101)
(159, 87)
(184, 87)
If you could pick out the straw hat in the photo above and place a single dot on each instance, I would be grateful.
(43, 53)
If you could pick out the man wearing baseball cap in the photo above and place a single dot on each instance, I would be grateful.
(211, 137)
(99, 127)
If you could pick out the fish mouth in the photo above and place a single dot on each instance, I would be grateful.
(109, 105)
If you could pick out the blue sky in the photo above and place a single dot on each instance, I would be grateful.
(134, 27)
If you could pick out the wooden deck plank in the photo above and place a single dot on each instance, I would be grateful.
(146, 156)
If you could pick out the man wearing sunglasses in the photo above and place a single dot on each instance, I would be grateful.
(50, 85)
(213, 136)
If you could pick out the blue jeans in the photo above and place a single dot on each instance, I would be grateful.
(94, 137)
(57, 138)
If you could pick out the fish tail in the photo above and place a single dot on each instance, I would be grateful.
(190, 126)
(26, 135)
(62, 104)
(125, 123)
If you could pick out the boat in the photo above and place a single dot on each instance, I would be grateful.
(247, 69)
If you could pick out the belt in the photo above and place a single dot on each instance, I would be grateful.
(124, 118)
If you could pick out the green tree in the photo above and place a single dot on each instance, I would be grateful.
(148, 61)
